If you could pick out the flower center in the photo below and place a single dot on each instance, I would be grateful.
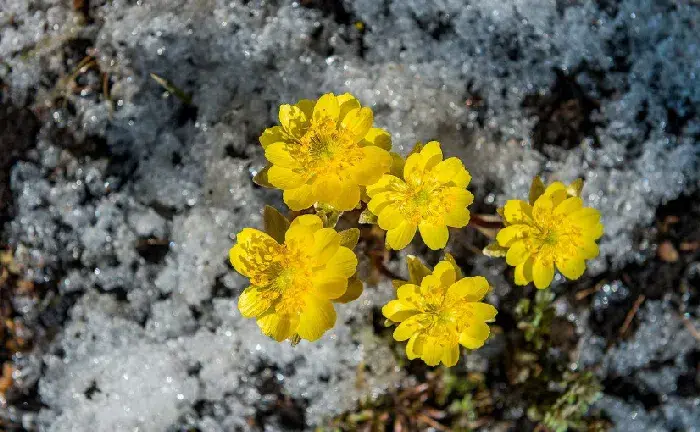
(293, 280)
(423, 203)
(326, 148)
(555, 237)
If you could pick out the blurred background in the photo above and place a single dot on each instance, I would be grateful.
(128, 140)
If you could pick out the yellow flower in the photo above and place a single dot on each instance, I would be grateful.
(292, 283)
(324, 151)
(440, 314)
(554, 229)
(431, 196)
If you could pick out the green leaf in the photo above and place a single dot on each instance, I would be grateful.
(417, 270)
(349, 238)
(260, 178)
(355, 288)
(172, 88)
(367, 217)
(397, 164)
(575, 188)
(450, 259)
(495, 250)
(397, 283)
(536, 189)
(416, 149)
(276, 225)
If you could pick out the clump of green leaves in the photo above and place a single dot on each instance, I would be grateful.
(403, 409)
(563, 398)
(467, 399)
(569, 409)
(535, 318)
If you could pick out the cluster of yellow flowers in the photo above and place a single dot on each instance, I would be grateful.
(327, 158)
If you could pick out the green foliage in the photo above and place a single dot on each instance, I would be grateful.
(535, 319)
(562, 398)
(569, 410)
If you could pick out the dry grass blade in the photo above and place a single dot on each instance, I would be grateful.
(632, 313)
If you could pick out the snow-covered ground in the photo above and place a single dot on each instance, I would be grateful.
(129, 198)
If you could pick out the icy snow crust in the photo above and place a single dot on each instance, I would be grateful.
(154, 340)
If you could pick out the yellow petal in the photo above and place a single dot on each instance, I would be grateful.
(379, 202)
(399, 237)
(432, 155)
(271, 135)
(470, 342)
(278, 155)
(325, 189)
(293, 120)
(386, 183)
(328, 285)
(390, 217)
(376, 163)
(517, 253)
(278, 326)
(418, 163)
(470, 289)
(508, 235)
(571, 268)
(407, 328)
(300, 198)
(523, 272)
(346, 197)
(343, 263)
(569, 205)
(450, 355)
(586, 217)
(589, 250)
(459, 197)
(457, 218)
(445, 272)
(414, 347)
(554, 187)
(255, 301)
(251, 255)
(482, 311)
(434, 236)
(301, 231)
(347, 103)
(326, 107)
(558, 197)
(452, 170)
(309, 220)
(316, 317)
(284, 178)
(409, 293)
(543, 208)
(474, 336)
(358, 122)
(326, 244)
(353, 291)
(542, 273)
(397, 310)
(430, 285)
(379, 138)
(432, 351)
(517, 211)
